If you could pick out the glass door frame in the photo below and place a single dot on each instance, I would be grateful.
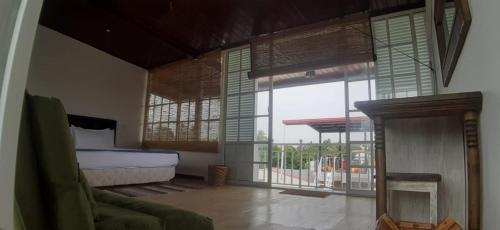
(268, 183)
(348, 189)
(370, 79)
(270, 134)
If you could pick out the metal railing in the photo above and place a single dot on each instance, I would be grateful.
(322, 166)
(309, 165)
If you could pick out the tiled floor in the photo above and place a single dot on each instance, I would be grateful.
(237, 207)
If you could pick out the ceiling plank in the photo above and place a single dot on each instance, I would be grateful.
(150, 33)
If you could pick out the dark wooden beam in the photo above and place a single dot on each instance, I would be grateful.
(381, 7)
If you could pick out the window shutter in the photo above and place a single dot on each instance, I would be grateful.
(231, 130)
(246, 129)
(426, 77)
(398, 41)
(450, 16)
(240, 99)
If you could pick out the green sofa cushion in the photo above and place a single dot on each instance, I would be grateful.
(171, 218)
(18, 218)
(28, 191)
(52, 193)
(88, 193)
(68, 206)
(117, 218)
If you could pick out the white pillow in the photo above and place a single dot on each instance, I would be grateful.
(93, 138)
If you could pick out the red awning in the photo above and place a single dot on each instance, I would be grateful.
(330, 125)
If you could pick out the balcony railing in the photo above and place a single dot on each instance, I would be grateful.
(320, 166)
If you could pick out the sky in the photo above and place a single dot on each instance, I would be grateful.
(308, 102)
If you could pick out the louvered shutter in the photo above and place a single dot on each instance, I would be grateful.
(450, 16)
(426, 76)
(398, 41)
(239, 115)
(240, 99)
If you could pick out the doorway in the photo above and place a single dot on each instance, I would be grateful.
(299, 130)
(320, 141)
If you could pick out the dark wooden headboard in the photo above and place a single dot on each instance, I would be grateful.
(92, 122)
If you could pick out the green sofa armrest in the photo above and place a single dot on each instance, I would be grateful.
(171, 218)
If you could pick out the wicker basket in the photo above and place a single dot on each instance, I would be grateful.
(217, 175)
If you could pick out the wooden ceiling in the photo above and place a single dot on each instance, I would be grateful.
(150, 33)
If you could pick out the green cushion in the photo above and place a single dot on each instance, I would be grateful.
(117, 218)
(171, 218)
(88, 193)
(52, 193)
(68, 206)
(28, 191)
(18, 219)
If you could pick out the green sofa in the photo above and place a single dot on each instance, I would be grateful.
(52, 193)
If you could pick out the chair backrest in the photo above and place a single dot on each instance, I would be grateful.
(28, 190)
(48, 189)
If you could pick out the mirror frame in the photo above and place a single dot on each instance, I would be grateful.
(450, 52)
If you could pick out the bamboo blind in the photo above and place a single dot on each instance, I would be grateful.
(188, 79)
(187, 87)
(332, 43)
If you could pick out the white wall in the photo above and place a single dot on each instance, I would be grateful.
(93, 83)
(478, 69)
(89, 82)
(196, 163)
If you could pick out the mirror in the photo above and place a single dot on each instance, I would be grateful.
(448, 18)
(452, 22)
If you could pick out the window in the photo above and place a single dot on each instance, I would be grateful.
(187, 121)
(183, 106)
(162, 123)
(162, 119)
(210, 114)
(399, 40)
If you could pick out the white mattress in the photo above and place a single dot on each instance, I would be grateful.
(121, 176)
(125, 158)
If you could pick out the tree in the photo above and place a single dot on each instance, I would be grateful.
(310, 152)
(261, 136)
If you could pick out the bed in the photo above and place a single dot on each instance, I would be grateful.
(105, 165)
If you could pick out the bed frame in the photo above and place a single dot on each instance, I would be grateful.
(87, 122)
(118, 176)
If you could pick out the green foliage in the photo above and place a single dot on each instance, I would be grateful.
(261, 136)
(310, 152)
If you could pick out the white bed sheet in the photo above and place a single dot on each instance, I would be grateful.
(125, 158)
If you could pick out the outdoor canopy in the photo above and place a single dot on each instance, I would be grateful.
(333, 125)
